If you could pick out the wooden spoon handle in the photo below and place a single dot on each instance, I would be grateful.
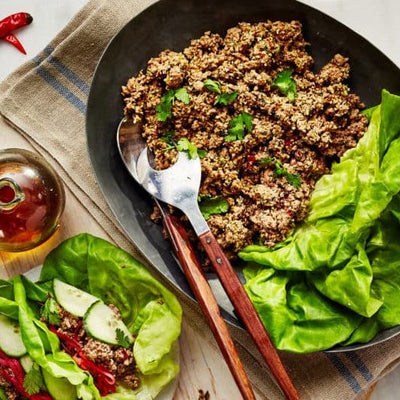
(208, 304)
(247, 313)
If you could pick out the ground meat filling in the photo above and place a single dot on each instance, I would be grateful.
(10, 392)
(116, 359)
(304, 135)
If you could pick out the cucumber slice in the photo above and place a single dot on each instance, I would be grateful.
(59, 388)
(102, 323)
(72, 299)
(10, 337)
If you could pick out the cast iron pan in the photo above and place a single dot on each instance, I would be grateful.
(172, 24)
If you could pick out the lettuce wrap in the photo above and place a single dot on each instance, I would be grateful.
(151, 313)
(335, 280)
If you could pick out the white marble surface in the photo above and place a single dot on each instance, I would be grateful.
(376, 20)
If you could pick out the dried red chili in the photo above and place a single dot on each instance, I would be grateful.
(12, 22)
(15, 42)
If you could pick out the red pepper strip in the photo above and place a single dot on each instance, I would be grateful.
(72, 344)
(14, 373)
(40, 396)
(10, 38)
(104, 380)
(14, 21)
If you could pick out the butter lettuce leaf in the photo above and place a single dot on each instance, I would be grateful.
(347, 248)
(147, 307)
(297, 316)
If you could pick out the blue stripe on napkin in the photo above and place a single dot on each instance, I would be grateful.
(345, 372)
(360, 365)
(71, 76)
(61, 89)
(47, 76)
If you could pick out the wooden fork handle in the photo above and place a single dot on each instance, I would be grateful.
(247, 313)
(208, 304)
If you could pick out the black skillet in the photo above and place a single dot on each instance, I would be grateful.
(172, 24)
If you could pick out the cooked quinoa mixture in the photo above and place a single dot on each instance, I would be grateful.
(265, 125)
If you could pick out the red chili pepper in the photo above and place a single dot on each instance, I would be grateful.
(15, 42)
(250, 161)
(12, 22)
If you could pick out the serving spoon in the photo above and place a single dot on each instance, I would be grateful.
(178, 186)
(130, 144)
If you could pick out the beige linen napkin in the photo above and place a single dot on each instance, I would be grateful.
(45, 101)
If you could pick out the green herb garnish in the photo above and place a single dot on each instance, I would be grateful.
(51, 311)
(169, 138)
(122, 339)
(188, 147)
(280, 170)
(164, 108)
(239, 126)
(202, 153)
(222, 98)
(33, 380)
(212, 205)
(183, 144)
(226, 98)
(182, 95)
(213, 86)
(286, 84)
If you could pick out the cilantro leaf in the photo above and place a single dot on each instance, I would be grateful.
(286, 84)
(293, 179)
(222, 98)
(247, 121)
(213, 86)
(266, 160)
(190, 148)
(280, 170)
(164, 107)
(169, 138)
(226, 98)
(183, 144)
(122, 339)
(212, 205)
(182, 95)
(239, 126)
(33, 380)
(51, 311)
(202, 153)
